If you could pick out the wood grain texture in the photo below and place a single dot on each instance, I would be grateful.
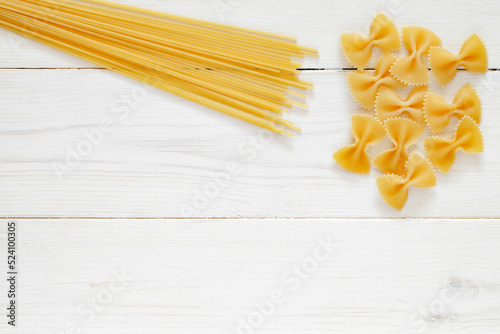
(416, 276)
(317, 23)
(166, 157)
(150, 154)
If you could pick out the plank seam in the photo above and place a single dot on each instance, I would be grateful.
(247, 218)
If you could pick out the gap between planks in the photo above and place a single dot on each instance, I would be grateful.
(249, 218)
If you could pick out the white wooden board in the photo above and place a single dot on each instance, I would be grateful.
(163, 159)
(183, 277)
(157, 159)
(316, 23)
(166, 157)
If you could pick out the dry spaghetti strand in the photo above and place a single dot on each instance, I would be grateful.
(244, 73)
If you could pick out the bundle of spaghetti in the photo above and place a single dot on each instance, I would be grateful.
(244, 73)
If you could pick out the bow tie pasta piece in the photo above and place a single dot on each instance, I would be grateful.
(367, 130)
(411, 69)
(442, 152)
(364, 86)
(418, 172)
(358, 48)
(389, 104)
(403, 132)
(472, 57)
(438, 112)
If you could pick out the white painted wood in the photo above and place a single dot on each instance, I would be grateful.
(200, 276)
(158, 160)
(317, 23)
(391, 276)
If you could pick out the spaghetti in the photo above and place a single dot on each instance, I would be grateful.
(248, 74)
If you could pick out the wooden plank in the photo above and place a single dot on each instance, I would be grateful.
(317, 23)
(166, 157)
(156, 276)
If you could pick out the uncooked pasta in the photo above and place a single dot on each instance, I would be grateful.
(248, 74)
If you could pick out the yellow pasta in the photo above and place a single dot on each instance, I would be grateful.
(442, 151)
(405, 118)
(367, 131)
(358, 48)
(389, 104)
(418, 172)
(403, 132)
(237, 71)
(411, 69)
(472, 57)
(438, 112)
(364, 86)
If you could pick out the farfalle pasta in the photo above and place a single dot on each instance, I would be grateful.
(358, 48)
(367, 130)
(472, 57)
(404, 120)
(442, 151)
(418, 172)
(364, 86)
(389, 104)
(411, 69)
(438, 112)
(403, 132)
